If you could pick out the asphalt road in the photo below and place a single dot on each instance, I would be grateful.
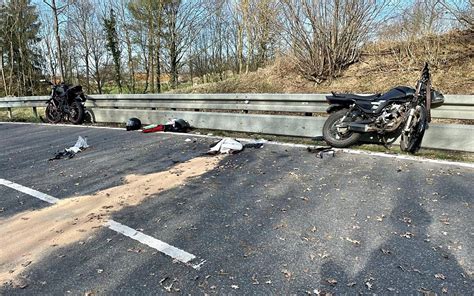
(276, 220)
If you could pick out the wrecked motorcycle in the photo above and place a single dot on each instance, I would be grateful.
(66, 103)
(401, 111)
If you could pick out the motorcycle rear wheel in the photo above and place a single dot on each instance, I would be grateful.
(52, 113)
(333, 137)
(76, 113)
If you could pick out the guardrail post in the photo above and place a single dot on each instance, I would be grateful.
(35, 112)
(10, 114)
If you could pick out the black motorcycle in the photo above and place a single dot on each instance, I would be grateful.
(400, 111)
(66, 103)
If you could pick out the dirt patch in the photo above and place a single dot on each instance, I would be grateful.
(30, 236)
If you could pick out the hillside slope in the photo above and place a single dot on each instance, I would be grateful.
(382, 66)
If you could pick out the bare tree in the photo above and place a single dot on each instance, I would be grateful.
(462, 10)
(57, 10)
(327, 36)
(183, 20)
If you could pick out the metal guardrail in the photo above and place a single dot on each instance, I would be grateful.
(279, 114)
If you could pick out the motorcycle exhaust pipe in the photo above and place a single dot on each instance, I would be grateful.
(360, 128)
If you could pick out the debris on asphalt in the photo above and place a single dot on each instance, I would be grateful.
(255, 144)
(226, 146)
(81, 145)
(322, 151)
(174, 125)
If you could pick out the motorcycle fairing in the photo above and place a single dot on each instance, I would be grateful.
(374, 103)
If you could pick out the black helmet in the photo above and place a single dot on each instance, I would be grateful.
(181, 125)
(134, 124)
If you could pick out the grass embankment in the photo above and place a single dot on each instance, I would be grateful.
(383, 65)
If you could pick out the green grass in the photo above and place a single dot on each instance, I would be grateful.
(22, 114)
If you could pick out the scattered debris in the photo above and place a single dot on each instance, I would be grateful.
(226, 146)
(81, 145)
(174, 125)
(255, 144)
(322, 151)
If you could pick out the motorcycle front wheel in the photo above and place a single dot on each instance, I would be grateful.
(52, 113)
(333, 137)
(411, 141)
(76, 113)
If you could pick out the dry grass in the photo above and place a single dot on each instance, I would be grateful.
(381, 67)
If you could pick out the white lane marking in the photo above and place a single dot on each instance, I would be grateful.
(40, 195)
(350, 151)
(152, 242)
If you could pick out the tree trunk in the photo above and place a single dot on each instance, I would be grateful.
(58, 37)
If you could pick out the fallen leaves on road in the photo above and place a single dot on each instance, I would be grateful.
(75, 219)
(355, 242)
(369, 285)
(407, 235)
(440, 276)
(332, 282)
(287, 274)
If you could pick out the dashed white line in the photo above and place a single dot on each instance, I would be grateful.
(150, 241)
(40, 195)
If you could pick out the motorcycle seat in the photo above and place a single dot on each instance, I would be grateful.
(358, 97)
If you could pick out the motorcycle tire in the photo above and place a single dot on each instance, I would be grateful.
(53, 115)
(411, 142)
(333, 137)
(76, 113)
